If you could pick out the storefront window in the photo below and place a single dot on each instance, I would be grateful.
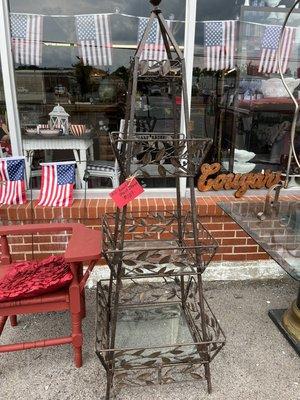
(93, 98)
(5, 146)
(242, 105)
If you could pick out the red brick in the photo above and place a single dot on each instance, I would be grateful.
(229, 226)
(233, 241)
(221, 234)
(219, 211)
(202, 209)
(47, 247)
(12, 213)
(213, 227)
(26, 212)
(16, 239)
(234, 257)
(160, 204)
(225, 249)
(38, 213)
(77, 209)
(170, 204)
(20, 257)
(166, 236)
(38, 239)
(257, 256)
(152, 204)
(110, 206)
(241, 234)
(23, 248)
(217, 257)
(48, 212)
(67, 213)
(92, 221)
(246, 249)
(60, 238)
(222, 218)
(186, 205)
(143, 205)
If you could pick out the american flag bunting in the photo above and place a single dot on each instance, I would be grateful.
(94, 39)
(12, 180)
(219, 44)
(154, 46)
(57, 184)
(26, 34)
(269, 48)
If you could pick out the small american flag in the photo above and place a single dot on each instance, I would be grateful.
(12, 182)
(26, 33)
(94, 39)
(270, 43)
(219, 44)
(57, 184)
(154, 46)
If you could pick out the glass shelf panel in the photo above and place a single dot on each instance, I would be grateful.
(152, 326)
(278, 235)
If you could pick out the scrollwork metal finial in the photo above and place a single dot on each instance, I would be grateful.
(155, 3)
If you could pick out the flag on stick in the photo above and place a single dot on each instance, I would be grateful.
(12, 180)
(154, 47)
(26, 33)
(269, 46)
(57, 184)
(94, 39)
(219, 44)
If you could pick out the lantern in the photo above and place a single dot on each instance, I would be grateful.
(59, 119)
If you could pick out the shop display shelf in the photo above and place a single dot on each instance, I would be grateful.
(160, 155)
(159, 332)
(156, 244)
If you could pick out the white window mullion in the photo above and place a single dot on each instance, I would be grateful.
(8, 77)
(189, 45)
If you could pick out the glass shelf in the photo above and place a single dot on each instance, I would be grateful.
(278, 235)
(155, 328)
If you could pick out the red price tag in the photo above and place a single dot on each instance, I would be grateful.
(126, 192)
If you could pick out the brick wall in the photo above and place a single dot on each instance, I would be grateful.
(234, 243)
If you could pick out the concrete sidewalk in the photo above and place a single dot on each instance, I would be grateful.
(257, 363)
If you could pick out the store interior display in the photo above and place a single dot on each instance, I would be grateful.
(274, 87)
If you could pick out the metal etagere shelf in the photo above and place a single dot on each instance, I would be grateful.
(153, 322)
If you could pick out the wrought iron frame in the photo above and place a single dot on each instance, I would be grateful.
(171, 247)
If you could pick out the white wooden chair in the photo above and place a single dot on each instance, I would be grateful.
(106, 169)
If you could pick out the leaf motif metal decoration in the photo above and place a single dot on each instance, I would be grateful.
(162, 171)
(160, 154)
(185, 155)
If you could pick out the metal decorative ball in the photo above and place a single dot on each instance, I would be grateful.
(155, 3)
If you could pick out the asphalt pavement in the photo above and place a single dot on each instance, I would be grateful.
(256, 363)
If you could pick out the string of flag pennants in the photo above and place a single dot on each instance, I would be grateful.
(220, 46)
(94, 40)
(171, 17)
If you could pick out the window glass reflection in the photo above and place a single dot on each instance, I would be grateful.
(245, 109)
(94, 98)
